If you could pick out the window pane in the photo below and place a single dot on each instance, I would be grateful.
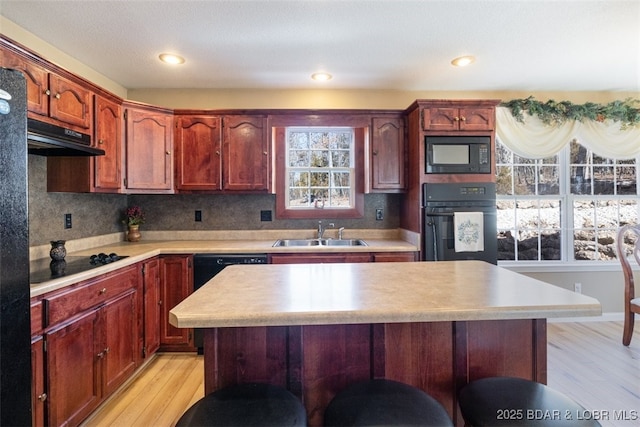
(580, 180)
(318, 141)
(504, 180)
(550, 245)
(525, 180)
(503, 154)
(319, 179)
(626, 179)
(628, 212)
(340, 159)
(579, 154)
(603, 180)
(522, 160)
(298, 158)
(548, 180)
(319, 159)
(299, 140)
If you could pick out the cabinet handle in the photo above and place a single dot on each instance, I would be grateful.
(47, 92)
(57, 96)
(103, 291)
(42, 397)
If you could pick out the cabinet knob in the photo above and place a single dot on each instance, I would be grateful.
(463, 118)
(375, 152)
(42, 397)
(57, 96)
(101, 141)
(456, 119)
(103, 291)
(106, 350)
(168, 152)
(265, 153)
(100, 355)
(47, 92)
(217, 152)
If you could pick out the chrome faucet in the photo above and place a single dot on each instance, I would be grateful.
(321, 229)
(340, 231)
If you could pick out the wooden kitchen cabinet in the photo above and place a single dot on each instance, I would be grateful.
(149, 142)
(394, 256)
(388, 155)
(91, 344)
(245, 153)
(176, 283)
(152, 307)
(198, 153)
(99, 174)
(458, 118)
(319, 258)
(38, 391)
(51, 96)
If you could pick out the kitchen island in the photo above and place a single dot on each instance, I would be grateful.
(315, 328)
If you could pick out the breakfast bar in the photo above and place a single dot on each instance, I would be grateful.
(316, 328)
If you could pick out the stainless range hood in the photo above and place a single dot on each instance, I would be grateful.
(45, 139)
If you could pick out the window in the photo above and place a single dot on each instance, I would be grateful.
(320, 168)
(563, 208)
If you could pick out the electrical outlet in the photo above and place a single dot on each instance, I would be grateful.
(379, 214)
(198, 216)
(67, 220)
(265, 215)
(577, 287)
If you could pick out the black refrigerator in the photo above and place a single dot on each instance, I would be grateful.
(15, 331)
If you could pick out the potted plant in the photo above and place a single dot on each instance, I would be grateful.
(133, 217)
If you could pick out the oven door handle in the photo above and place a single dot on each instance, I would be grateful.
(440, 213)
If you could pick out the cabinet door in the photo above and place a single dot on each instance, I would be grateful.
(319, 258)
(37, 82)
(245, 153)
(388, 154)
(445, 119)
(69, 102)
(120, 339)
(38, 392)
(108, 137)
(152, 308)
(477, 118)
(149, 143)
(197, 153)
(176, 283)
(73, 376)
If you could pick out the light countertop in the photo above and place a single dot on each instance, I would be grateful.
(314, 294)
(256, 242)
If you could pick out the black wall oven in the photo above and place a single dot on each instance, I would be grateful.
(441, 204)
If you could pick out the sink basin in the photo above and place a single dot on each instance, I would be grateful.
(319, 242)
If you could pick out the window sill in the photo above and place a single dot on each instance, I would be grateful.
(560, 267)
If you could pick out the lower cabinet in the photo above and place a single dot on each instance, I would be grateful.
(152, 306)
(176, 283)
(38, 392)
(90, 345)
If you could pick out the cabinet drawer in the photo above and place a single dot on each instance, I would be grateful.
(89, 294)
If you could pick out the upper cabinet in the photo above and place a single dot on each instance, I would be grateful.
(198, 153)
(51, 96)
(471, 118)
(149, 142)
(388, 154)
(245, 157)
(108, 136)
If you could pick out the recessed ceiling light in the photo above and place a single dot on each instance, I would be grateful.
(169, 58)
(321, 77)
(463, 61)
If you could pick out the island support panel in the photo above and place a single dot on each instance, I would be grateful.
(315, 362)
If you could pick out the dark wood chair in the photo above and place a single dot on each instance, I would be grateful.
(631, 303)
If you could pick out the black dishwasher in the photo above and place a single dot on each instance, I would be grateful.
(205, 266)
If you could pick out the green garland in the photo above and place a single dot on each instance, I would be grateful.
(551, 112)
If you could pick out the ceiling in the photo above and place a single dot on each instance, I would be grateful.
(533, 45)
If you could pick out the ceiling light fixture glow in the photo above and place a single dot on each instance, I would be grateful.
(321, 77)
(463, 61)
(169, 58)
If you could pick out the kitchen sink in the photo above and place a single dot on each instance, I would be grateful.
(320, 242)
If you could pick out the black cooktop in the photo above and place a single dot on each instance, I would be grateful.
(45, 269)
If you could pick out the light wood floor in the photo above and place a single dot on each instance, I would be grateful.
(586, 361)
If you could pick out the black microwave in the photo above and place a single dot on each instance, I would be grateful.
(457, 154)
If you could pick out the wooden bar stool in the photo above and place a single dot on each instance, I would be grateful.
(506, 401)
(384, 403)
(245, 405)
